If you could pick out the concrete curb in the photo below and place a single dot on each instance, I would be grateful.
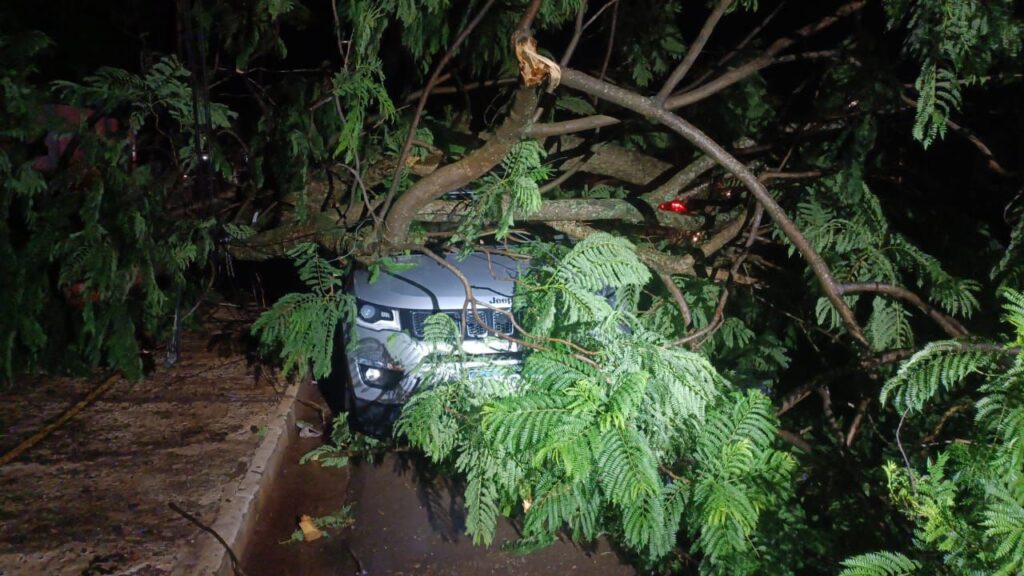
(241, 504)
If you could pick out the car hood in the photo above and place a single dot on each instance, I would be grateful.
(430, 286)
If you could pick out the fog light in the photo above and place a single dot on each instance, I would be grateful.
(371, 374)
(367, 312)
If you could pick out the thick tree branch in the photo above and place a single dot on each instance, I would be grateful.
(647, 107)
(471, 167)
(580, 209)
(695, 49)
(662, 262)
(573, 126)
(947, 323)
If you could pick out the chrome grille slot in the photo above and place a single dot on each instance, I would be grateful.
(499, 321)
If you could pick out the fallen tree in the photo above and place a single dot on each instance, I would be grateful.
(770, 165)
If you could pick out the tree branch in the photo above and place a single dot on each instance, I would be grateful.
(736, 50)
(858, 418)
(695, 49)
(526, 21)
(673, 290)
(434, 78)
(579, 209)
(713, 87)
(469, 168)
(577, 33)
(992, 164)
(647, 107)
(660, 261)
(947, 323)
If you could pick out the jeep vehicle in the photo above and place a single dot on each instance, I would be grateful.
(373, 374)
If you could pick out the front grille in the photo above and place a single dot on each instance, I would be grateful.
(500, 322)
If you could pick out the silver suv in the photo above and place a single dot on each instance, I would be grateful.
(374, 374)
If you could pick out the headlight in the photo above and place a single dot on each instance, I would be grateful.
(380, 377)
(376, 317)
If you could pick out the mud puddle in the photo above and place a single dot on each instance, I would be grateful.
(407, 521)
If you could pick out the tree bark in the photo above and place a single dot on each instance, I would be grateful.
(647, 107)
(471, 167)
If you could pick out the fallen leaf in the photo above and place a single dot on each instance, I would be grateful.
(309, 530)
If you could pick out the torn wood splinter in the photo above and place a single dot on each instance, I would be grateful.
(533, 67)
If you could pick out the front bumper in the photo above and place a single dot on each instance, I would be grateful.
(395, 360)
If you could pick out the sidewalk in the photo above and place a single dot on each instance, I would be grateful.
(93, 497)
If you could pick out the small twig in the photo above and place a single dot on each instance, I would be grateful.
(235, 564)
(858, 418)
(421, 104)
(952, 411)
(992, 164)
(826, 407)
(899, 444)
(665, 470)
(736, 50)
(712, 327)
(795, 439)
(684, 308)
(577, 33)
(611, 41)
(600, 11)
(793, 398)
(41, 435)
(467, 87)
(719, 317)
(558, 181)
(320, 410)
(889, 357)
(471, 302)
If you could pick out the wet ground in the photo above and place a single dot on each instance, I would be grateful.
(408, 521)
(93, 497)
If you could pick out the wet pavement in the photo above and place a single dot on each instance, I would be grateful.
(92, 498)
(408, 521)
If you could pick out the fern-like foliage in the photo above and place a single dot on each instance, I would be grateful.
(636, 439)
(88, 216)
(956, 43)
(938, 366)
(879, 564)
(845, 220)
(966, 505)
(509, 192)
(302, 324)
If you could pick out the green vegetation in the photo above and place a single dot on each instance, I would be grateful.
(807, 371)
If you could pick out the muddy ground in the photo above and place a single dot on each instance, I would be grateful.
(93, 497)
